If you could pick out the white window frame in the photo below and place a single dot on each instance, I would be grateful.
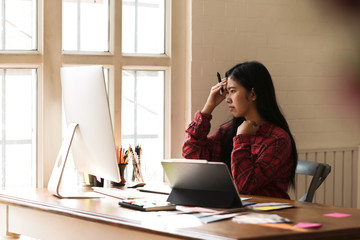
(49, 58)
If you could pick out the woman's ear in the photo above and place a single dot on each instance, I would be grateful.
(252, 95)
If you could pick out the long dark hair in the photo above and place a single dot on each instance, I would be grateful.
(254, 75)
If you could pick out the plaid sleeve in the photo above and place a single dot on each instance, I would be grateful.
(257, 162)
(199, 128)
(197, 144)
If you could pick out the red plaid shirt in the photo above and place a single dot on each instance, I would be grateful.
(261, 164)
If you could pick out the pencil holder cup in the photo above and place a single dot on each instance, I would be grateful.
(122, 167)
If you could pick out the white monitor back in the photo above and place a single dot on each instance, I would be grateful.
(86, 103)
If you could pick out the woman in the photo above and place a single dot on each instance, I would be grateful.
(257, 144)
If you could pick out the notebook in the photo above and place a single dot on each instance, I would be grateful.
(201, 183)
(147, 205)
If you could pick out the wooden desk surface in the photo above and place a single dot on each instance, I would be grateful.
(107, 211)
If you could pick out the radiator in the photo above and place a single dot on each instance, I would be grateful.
(341, 187)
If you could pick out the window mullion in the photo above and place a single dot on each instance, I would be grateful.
(136, 25)
(3, 24)
(78, 25)
(3, 133)
(135, 108)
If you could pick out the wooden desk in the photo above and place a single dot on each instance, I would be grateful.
(41, 215)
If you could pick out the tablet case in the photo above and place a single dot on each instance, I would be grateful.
(201, 183)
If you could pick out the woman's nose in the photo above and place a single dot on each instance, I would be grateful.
(228, 99)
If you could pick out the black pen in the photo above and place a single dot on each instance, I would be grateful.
(219, 79)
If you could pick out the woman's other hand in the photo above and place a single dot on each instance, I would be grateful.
(248, 127)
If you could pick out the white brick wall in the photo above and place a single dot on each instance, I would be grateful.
(299, 47)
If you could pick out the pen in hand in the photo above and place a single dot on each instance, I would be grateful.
(219, 79)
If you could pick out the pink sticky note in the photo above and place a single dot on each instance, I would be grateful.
(337, 215)
(307, 225)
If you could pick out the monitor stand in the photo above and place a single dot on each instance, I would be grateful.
(54, 184)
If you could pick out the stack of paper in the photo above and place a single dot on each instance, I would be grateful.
(269, 206)
(256, 218)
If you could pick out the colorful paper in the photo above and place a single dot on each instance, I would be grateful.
(337, 215)
(307, 225)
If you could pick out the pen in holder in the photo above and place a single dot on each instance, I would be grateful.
(137, 174)
(136, 160)
(122, 160)
(123, 157)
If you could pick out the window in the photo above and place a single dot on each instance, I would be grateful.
(133, 34)
(143, 29)
(18, 94)
(143, 91)
(142, 111)
(143, 117)
(18, 135)
(82, 31)
(18, 24)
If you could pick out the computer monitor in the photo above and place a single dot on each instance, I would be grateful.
(90, 133)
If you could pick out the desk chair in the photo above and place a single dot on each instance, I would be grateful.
(318, 171)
